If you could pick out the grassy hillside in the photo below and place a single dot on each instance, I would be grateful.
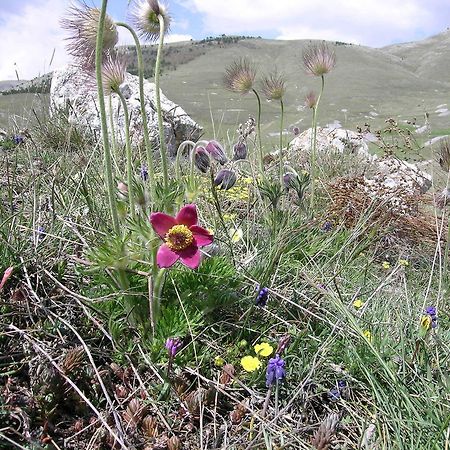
(404, 81)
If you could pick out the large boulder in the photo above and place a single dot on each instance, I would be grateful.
(72, 90)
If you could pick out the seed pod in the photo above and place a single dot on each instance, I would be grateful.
(239, 151)
(201, 159)
(217, 152)
(225, 179)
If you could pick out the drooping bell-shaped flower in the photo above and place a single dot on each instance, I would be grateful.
(217, 152)
(225, 179)
(201, 159)
(239, 151)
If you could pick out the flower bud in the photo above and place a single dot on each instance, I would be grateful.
(201, 159)
(217, 152)
(288, 180)
(239, 151)
(225, 179)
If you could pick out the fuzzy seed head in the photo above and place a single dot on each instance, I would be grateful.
(114, 69)
(273, 86)
(443, 155)
(310, 100)
(240, 76)
(82, 23)
(145, 17)
(319, 59)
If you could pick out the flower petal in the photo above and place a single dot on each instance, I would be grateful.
(202, 237)
(166, 257)
(190, 256)
(162, 223)
(187, 215)
(5, 277)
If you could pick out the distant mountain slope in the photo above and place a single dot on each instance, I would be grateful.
(367, 86)
(9, 84)
(429, 58)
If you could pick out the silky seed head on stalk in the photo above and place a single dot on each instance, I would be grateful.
(145, 17)
(240, 76)
(82, 22)
(114, 69)
(444, 155)
(274, 86)
(310, 100)
(319, 59)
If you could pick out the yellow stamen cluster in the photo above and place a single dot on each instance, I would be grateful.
(179, 237)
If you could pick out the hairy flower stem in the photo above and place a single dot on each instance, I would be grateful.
(158, 283)
(314, 144)
(162, 143)
(281, 142)
(147, 142)
(103, 119)
(446, 254)
(129, 155)
(261, 155)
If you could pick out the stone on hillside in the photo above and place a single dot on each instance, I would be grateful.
(331, 139)
(72, 90)
(390, 172)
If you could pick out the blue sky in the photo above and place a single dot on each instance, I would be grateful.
(30, 30)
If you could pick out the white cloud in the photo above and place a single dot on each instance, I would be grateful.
(369, 22)
(30, 38)
(177, 38)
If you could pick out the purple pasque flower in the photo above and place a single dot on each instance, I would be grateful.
(201, 159)
(275, 370)
(239, 151)
(225, 179)
(173, 345)
(261, 298)
(217, 152)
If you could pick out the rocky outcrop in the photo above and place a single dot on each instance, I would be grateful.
(72, 90)
(389, 172)
(331, 140)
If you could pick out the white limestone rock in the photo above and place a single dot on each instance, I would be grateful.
(71, 89)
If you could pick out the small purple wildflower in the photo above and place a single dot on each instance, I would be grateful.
(335, 394)
(275, 370)
(225, 179)
(144, 173)
(296, 131)
(431, 311)
(173, 345)
(261, 298)
(18, 139)
(327, 226)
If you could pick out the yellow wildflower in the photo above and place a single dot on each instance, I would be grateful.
(250, 363)
(358, 303)
(263, 349)
(386, 265)
(235, 234)
(425, 322)
(229, 217)
(219, 361)
(368, 335)
(403, 262)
